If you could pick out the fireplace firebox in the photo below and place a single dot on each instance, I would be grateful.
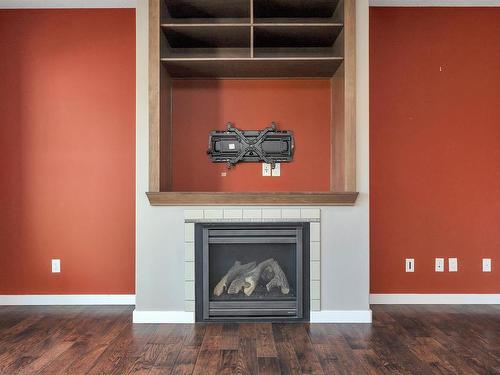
(252, 271)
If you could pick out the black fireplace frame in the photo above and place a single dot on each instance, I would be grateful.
(276, 232)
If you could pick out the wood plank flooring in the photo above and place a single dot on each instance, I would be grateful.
(103, 340)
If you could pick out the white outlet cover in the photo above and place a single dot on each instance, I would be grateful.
(452, 265)
(410, 265)
(276, 171)
(439, 264)
(56, 265)
(266, 170)
(486, 265)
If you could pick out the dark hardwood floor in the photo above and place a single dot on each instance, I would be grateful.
(103, 340)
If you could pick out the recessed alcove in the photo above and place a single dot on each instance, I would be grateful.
(199, 106)
(252, 62)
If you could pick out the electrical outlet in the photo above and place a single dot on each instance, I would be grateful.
(439, 264)
(276, 171)
(452, 265)
(56, 265)
(266, 170)
(486, 265)
(410, 265)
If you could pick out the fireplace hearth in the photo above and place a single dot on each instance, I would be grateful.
(252, 271)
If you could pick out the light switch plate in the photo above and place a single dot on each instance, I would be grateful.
(410, 265)
(276, 171)
(486, 265)
(452, 265)
(266, 170)
(439, 264)
(56, 265)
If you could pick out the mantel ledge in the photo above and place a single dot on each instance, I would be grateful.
(252, 199)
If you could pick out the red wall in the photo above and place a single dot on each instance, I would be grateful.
(302, 106)
(67, 151)
(435, 147)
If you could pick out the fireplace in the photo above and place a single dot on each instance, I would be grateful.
(252, 271)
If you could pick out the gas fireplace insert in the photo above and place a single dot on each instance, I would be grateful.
(252, 271)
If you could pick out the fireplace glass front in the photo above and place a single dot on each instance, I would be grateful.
(252, 271)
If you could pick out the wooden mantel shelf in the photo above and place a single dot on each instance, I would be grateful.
(251, 199)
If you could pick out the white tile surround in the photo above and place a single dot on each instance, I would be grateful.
(255, 215)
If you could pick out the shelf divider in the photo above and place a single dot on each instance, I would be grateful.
(251, 30)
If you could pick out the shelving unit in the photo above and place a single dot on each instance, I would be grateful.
(299, 39)
(261, 39)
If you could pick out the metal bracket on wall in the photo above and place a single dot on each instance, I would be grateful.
(233, 146)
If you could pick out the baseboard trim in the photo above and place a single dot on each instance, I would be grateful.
(341, 316)
(337, 316)
(68, 299)
(435, 299)
(434, 3)
(163, 317)
(59, 4)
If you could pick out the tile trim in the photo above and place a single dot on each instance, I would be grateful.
(255, 215)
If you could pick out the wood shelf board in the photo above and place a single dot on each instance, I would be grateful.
(207, 53)
(236, 36)
(208, 22)
(251, 199)
(205, 22)
(291, 8)
(296, 22)
(208, 8)
(253, 67)
(304, 52)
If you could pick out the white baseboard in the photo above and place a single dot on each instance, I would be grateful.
(435, 299)
(338, 316)
(341, 316)
(47, 4)
(68, 299)
(435, 3)
(163, 317)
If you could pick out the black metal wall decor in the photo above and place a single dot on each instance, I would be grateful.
(233, 146)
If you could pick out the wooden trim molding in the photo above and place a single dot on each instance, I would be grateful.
(343, 127)
(154, 95)
(350, 95)
(251, 199)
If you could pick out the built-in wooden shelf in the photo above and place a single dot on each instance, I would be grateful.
(205, 22)
(259, 39)
(299, 199)
(299, 21)
(244, 37)
(318, 67)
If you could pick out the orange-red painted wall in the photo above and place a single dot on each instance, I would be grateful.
(67, 151)
(434, 147)
(302, 106)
